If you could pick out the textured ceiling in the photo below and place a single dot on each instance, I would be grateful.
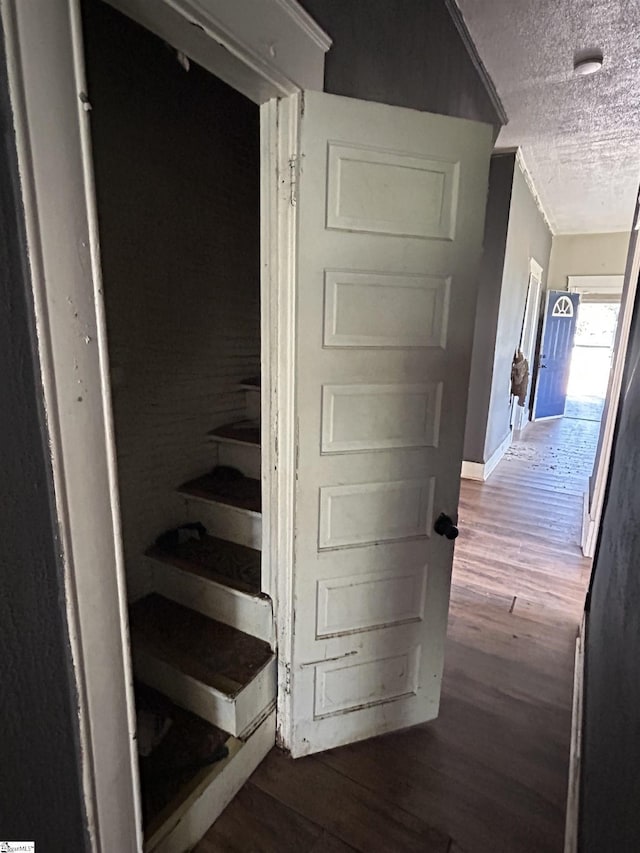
(580, 136)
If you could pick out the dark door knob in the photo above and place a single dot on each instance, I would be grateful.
(445, 527)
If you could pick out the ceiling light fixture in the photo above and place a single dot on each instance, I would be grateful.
(587, 62)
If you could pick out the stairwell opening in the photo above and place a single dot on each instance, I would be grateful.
(177, 166)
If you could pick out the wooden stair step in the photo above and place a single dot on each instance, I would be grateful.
(219, 579)
(182, 793)
(215, 559)
(214, 670)
(172, 770)
(208, 651)
(243, 493)
(243, 432)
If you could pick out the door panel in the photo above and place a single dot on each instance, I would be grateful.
(554, 362)
(390, 210)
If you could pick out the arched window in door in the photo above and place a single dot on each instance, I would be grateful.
(563, 307)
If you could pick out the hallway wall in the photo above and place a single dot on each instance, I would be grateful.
(528, 237)
(586, 254)
(501, 304)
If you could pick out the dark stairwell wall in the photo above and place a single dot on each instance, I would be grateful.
(407, 53)
(610, 785)
(40, 782)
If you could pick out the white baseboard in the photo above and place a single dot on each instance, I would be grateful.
(575, 757)
(472, 470)
(482, 470)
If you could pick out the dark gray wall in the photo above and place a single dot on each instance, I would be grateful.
(402, 52)
(40, 788)
(610, 785)
(489, 290)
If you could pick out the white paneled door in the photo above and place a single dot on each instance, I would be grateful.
(390, 211)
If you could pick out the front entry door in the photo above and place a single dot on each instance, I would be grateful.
(390, 209)
(554, 362)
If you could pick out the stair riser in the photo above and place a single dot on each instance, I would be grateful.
(248, 613)
(226, 522)
(244, 457)
(182, 831)
(253, 404)
(233, 715)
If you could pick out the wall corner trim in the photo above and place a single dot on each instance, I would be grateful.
(482, 470)
(575, 755)
(472, 50)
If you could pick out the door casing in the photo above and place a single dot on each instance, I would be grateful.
(51, 106)
(520, 414)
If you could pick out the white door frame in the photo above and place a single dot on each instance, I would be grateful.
(594, 506)
(51, 105)
(279, 123)
(530, 323)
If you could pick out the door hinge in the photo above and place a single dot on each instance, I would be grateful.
(293, 181)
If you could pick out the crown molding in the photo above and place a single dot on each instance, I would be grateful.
(526, 174)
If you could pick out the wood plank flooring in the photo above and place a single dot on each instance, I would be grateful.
(490, 775)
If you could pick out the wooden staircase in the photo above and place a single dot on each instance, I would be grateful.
(203, 640)
(229, 510)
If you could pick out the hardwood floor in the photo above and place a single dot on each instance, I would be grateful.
(490, 775)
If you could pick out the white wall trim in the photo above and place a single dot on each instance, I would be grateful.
(482, 470)
(609, 284)
(535, 269)
(575, 754)
(520, 414)
(532, 188)
(263, 48)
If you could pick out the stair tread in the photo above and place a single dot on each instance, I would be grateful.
(216, 559)
(175, 767)
(251, 382)
(243, 493)
(213, 653)
(247, 432)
